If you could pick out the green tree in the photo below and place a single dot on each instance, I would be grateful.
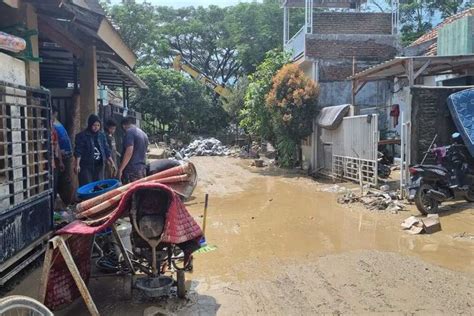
(235, 102)
(292, 102)
(255, 117)
(138, 26)
(254, 29)
(176, 103)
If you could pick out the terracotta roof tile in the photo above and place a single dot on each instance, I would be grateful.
(433, 34)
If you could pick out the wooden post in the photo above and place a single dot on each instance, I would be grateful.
(48, 262)
(88, 84)
(32, 68)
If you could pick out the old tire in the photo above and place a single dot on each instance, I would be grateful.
(470, 195)
(22, 305)
(424, 204)
(181, 283)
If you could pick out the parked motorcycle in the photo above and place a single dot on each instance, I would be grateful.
(453, 179)
(383, 166)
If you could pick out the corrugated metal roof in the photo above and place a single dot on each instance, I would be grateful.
(396, 67)
(433, 34)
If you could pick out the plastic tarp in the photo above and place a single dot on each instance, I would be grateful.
(461, 106)
(331, 117)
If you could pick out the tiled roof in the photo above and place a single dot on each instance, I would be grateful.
(433, 34)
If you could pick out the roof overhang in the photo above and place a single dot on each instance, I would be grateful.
(416, 66)
(347, 4)
(12, 3)
(88, 17)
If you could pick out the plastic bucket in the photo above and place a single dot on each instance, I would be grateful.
(97, 188)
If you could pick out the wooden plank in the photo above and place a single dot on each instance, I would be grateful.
(422, 68)
(47, 264)
(77, 277)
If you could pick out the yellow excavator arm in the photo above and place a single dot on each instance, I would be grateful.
(181, 64)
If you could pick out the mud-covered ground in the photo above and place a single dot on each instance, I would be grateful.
(285, 247)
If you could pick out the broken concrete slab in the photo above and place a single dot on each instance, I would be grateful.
(417, 225)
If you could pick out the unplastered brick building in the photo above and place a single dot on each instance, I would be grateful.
(338, 39)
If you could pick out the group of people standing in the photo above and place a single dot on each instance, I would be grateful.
(95, 152)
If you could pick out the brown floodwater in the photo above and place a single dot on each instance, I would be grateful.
(276, 217)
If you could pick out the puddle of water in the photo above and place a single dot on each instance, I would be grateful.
(276, 218)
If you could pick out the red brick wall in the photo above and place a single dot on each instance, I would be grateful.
(352, 23)
(368, 49)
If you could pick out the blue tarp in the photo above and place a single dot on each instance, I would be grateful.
(461, 106)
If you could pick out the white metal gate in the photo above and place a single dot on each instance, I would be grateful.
(355, 148)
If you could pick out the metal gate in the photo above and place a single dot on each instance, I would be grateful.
(354, 147)
(26, 180)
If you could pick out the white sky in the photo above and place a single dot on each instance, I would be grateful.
(187, 3)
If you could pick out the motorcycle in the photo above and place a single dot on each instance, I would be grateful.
(451, 179)
(383, 166)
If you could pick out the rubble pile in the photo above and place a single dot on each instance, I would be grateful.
(206, 147)
(374, 201)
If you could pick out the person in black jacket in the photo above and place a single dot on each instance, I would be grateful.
(91, 152)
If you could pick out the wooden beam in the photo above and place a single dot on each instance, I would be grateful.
(61, 36)
(111, 37)
(422, 68)
(410, 73)
(81, 285)
(359, 87)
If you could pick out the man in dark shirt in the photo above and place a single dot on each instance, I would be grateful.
(135, 147)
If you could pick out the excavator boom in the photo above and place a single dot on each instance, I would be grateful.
(181, 64)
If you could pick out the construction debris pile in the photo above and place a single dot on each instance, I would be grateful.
(374, 200)
(205, 147)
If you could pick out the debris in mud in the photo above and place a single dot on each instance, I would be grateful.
(464, 236)
(374, 201)
(334, 189)
(206, 147)
(417, 225)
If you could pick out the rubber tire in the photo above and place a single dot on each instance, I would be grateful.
(419, 200)
(470, 195)
(181, 283)
(11, 303)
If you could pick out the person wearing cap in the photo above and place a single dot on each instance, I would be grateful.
(91, 152)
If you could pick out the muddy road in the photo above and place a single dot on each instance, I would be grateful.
(285, 247)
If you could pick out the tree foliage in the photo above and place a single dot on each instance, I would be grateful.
(255, 117)
(418, 16)
(292, 103)
(178, 104)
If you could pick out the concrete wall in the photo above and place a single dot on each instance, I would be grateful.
(352, 23)
(430, 116)
(339, 92)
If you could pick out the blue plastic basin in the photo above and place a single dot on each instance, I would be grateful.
(87, 191)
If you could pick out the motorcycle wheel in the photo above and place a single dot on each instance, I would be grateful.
(470, 195)
(424, 204)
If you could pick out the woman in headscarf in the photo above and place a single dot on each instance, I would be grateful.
(91, 152)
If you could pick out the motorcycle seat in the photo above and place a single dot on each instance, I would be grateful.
(435, 167)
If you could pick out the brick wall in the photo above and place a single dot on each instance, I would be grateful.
(430, 116)
(362, 47)
(352, 23)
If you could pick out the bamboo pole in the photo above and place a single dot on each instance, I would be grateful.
(81, 207)
(114, 201)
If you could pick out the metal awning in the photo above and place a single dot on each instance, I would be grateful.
(58, 69)
(417, 66)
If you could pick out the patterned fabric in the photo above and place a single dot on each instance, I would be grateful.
(11, 43)
(61, 289)
(180, 226)
(461, 106)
